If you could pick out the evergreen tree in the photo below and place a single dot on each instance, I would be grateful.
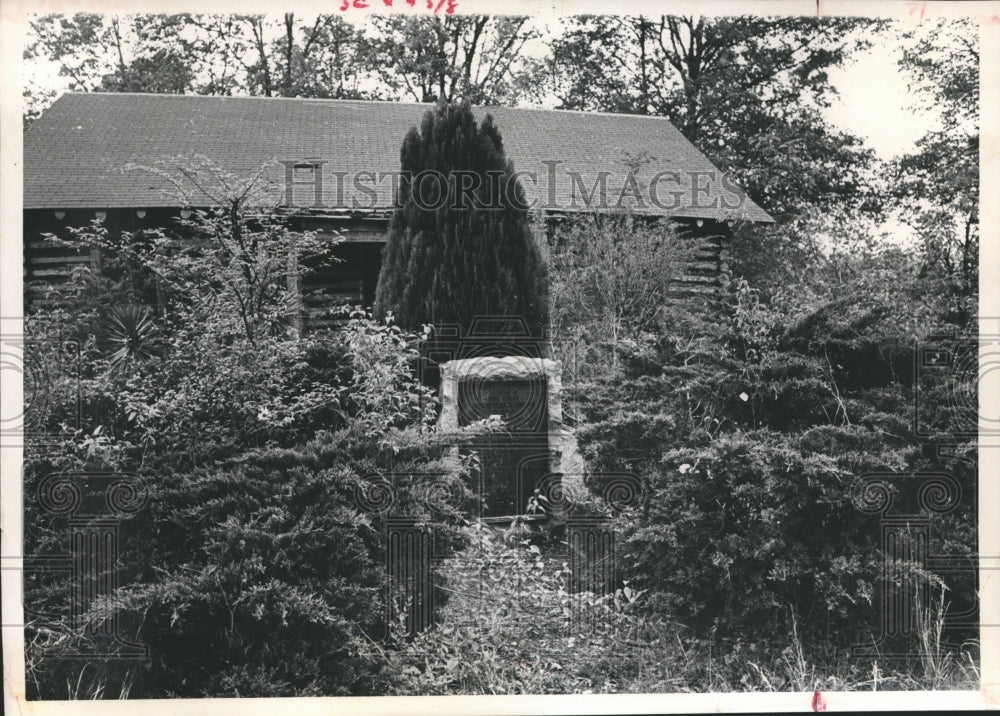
(460, 242)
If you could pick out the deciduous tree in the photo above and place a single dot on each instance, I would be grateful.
(746, 90)
(939, 183)
(476, 58)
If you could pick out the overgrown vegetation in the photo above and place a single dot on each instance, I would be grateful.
(259, 555)
(513, 627)
(257, 566)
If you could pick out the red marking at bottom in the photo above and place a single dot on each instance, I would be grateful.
(818, 703)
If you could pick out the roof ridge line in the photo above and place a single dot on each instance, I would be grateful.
(175, 95)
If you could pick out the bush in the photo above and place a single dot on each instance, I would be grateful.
(259, 564)
(258, 556)
(754, 527)
(749, 428)
(267, 566)
(511, 626)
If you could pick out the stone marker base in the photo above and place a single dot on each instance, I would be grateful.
(524, 392)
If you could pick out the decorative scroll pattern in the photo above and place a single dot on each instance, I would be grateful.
(905, 504)
(96, 503)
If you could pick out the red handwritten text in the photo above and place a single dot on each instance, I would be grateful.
(436, 6)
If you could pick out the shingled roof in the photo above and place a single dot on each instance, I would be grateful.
(77, 154)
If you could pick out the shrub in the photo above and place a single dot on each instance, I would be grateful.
(254, 562)
(749, 430)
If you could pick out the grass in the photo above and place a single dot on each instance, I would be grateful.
(516, 630)
(511, 627)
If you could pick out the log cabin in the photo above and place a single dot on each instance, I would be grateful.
(332, 166)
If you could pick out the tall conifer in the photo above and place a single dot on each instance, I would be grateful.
(455, 256)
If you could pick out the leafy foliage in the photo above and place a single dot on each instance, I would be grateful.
(746, 90)
(612, 277)
(256, 569)
(938, 185)
(260, 559)
(512, 626)
(477, 58)
(750, 431)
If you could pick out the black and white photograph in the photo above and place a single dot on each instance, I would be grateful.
(441, 348)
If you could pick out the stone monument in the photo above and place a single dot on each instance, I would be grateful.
(525, 393)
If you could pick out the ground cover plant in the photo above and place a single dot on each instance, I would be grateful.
(266, 457)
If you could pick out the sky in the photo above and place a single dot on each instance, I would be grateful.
(875, 103)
